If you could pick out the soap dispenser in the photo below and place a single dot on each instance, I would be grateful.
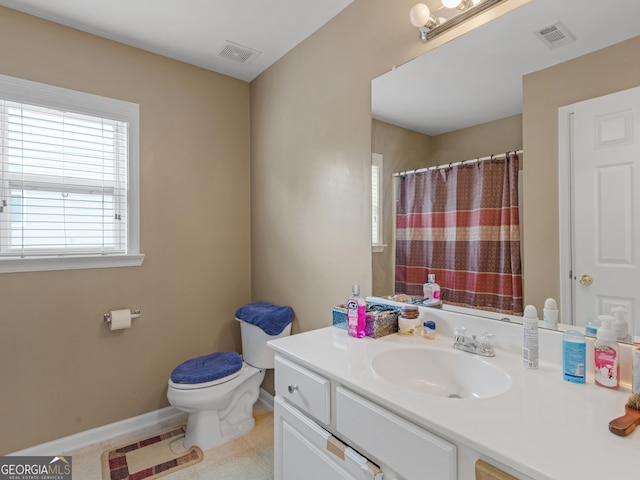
(431, 290)
(606, 354)
(620, 325)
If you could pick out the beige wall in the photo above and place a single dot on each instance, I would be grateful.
(605, 71)
(481, 140)
(401, 150)
(406, 150)
(62, 371)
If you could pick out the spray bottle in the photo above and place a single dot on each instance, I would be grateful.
(530, 337)
(550, 313)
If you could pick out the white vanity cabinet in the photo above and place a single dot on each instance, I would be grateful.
(323, 430)
(333, 408)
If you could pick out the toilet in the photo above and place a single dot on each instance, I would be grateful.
(218, 391)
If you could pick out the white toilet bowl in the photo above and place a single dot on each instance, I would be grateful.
(218, 413)
(222, 410)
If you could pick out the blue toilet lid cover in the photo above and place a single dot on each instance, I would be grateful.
(207, 368)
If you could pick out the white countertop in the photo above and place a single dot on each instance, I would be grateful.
(543, 426)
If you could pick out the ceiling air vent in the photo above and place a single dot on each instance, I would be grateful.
(237, 53)
(555, 35)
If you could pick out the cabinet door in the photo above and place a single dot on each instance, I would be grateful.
(305, 451)
(408, 449)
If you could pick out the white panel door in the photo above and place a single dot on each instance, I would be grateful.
(606, 205)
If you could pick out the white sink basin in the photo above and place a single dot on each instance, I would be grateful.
(444, 373)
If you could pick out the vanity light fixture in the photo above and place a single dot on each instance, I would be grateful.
(420, 17)
(460, 4)
(429, 25)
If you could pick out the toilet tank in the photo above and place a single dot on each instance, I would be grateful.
(254, 345)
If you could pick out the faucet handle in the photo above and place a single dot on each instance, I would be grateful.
(487, 343)
(459, 332)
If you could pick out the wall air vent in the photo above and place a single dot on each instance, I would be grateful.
(237, 53)
(555, 35)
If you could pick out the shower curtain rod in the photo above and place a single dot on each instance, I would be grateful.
(498, 156)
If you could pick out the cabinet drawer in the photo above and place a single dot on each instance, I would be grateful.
(303, 388)
(406, 448)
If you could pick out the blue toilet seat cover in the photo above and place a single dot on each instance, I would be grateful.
(207, 368)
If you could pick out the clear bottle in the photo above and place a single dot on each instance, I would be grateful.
(356, 313)
(530, 337)
(606, 354)
(431, 290)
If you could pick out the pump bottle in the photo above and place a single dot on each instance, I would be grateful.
(620, 325)
(606, 354)
(431, 290)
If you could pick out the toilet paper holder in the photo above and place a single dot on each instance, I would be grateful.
(134, 314)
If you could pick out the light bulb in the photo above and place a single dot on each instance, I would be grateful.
(451, 3)
(419, 15)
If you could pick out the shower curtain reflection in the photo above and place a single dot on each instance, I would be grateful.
(461, 224)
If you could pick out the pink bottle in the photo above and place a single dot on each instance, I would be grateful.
(356, 313)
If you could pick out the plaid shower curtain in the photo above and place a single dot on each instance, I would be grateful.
(461, 224)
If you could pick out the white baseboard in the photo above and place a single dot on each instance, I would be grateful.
(79, 440)
(266, 398)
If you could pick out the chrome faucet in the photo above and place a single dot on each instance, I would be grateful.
(484, 345)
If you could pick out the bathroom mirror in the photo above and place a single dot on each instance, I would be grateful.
(477, 79)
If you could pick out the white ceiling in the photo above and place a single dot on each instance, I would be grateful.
(474, 79)
(478, 77)
(194, 31)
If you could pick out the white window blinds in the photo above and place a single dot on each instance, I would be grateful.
(65, 174)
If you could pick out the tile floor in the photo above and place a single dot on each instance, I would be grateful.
(246, 458)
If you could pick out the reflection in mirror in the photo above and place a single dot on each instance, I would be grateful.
(459, 223)
(463, 100)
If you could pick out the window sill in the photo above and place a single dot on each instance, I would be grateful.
(378, 247)
(14, 265)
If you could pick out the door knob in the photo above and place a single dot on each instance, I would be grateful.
(586, 280)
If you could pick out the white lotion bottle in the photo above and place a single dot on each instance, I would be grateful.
(530, 337)
(550, 313)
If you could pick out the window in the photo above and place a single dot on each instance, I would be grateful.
(68, 179)
(376, 203)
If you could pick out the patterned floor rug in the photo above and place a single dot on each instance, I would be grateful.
(149, 458)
